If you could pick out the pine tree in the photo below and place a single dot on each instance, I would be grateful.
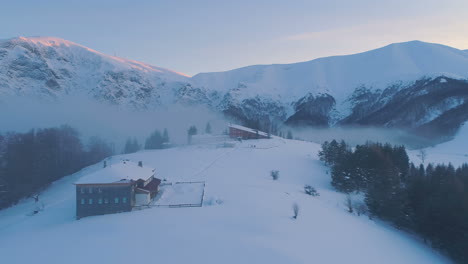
(166, 136)
(131, 146)
(154, 141)
(208, 128)
(191, 132)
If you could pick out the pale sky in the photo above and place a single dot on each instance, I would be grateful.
(215, 35)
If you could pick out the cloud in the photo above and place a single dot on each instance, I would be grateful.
(437, 29)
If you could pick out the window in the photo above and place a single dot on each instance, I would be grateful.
(106, 201)
(100, 201)
(90, 190)
(83, 201)
(99, 190)
(116, 200)
(90, 201)
(124, 200)
(82, 189)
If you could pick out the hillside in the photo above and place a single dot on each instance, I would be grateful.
(340, 75)
(51, 68)
(244, 211)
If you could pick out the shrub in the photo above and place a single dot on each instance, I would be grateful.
(311, 191)
(274, 174)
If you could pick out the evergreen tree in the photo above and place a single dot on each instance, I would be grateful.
(166, 136)
(431, 201)
(131, 146)
(208, 128)
(98, 149)
(191, 132)
(154, 141)
(290, 135)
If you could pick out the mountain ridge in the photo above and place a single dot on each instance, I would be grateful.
(326, 74)
(320, 93)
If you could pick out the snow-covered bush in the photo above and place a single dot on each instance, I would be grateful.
(274, 174)
(311, 191)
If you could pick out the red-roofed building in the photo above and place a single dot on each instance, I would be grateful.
(241, 132)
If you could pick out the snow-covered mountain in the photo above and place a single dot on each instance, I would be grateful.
(52, 67)
(340, 75)
(411, 85)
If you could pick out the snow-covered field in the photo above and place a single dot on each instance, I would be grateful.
(180, 194)
(454, 151)
(246, 216)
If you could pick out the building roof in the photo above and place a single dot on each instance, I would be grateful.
(250, 130)
(152, 186)
(121, 173)
(139, 190)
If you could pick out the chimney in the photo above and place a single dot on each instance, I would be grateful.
(140, 163)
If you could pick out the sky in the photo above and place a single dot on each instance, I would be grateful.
(213, 35)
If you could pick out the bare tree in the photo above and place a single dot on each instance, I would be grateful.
(361, 208)
(422, 154)
(295, 210)
(349, 204)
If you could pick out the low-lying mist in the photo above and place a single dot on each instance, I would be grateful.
(360, 135)
(112, 123)
(115, 124)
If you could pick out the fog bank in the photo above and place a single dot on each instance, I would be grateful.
(360, 135)
(110, 122)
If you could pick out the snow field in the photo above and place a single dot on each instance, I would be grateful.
(247, 219)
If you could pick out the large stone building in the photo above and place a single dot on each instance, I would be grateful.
(115, 188)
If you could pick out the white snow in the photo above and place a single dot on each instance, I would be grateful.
(116, 61)
(454, 151)
(57, 68)
(340, 75)
(246, 219)
(247, 129)
(442, 107)
(122, 170)
(180, 193)
(52, 68)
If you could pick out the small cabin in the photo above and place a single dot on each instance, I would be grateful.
(241, 132)
(115, 188)
(146, 190)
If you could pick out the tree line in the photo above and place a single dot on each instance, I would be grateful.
(158, 140)
(32, 160)
(431, 200)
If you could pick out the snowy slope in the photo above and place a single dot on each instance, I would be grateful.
(48, 66)
(340, 75)
(454, 151)
(53, 67)
(246, 217)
